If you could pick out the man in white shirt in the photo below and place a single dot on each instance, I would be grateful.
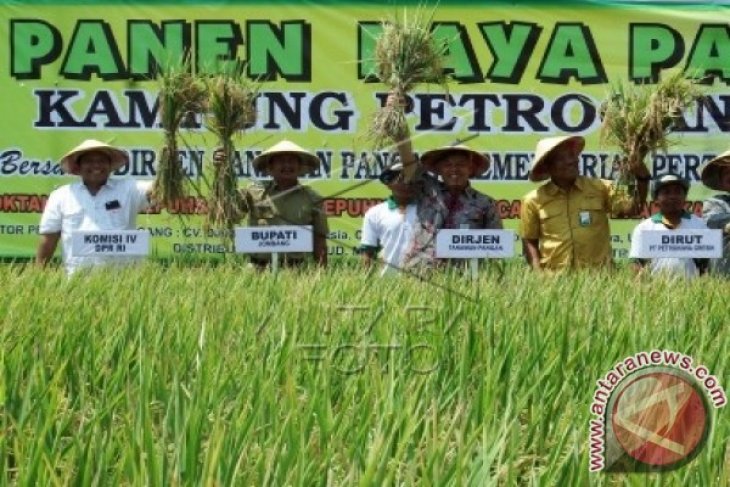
(94, 203)
(670, 193)
(388, 228)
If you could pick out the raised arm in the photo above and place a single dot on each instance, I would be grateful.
(643, 176)
(403, 142)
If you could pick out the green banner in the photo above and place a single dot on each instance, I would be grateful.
(521, 71)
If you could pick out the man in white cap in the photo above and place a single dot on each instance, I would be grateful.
(97, 202)
(670, 193)
(283, 201)
(716, 209)
(388, 228)
(565, 222)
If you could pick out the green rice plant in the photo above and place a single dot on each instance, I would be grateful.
(232, 110)
(181, 94)
(166, 376)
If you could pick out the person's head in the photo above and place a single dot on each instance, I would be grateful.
(557, 158)
(285, 162)
(455, 168)
(392, 177)
(285, 167)
(670, 193)
(94, 167)
(716, 173)
(93, 161)
(455, 164)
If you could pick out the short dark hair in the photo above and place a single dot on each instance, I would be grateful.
(389, 177)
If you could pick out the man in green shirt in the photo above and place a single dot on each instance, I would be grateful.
(283, 201)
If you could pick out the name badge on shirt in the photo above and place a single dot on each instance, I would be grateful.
(584, 218)
(113, 205)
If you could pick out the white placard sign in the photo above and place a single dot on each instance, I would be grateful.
(275, 239)
(682, 244)
(86, 243)
(480, 244)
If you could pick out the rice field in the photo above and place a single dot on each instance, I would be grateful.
(219, 375)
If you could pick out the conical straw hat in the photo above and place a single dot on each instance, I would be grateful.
(309, 161)
(479, 161)
(69, 162)
(545, 147)
(710, 172)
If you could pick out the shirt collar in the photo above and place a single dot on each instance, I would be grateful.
(273, 188)
(470, 192)
(467, 192)
(110, 183)
(554, 189)
(659, 218)
(392, 204)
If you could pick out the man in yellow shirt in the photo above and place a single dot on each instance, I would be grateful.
(565, 222)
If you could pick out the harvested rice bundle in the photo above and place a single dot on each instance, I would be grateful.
(638, 120)
(180, 95)
(232, 109)
(406, 54)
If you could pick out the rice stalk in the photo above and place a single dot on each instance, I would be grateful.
(638, 120)
(180, 94)
(232, 110)
(406, 55)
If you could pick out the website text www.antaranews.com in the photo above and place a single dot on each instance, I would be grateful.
(610, 380)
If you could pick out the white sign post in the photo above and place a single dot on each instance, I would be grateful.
(474, 261)
(131, 243)
(274, 240)
(474, 245)
(681, 244)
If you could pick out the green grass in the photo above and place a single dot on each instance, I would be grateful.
(224, 376)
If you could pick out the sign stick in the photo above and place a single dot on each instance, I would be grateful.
(473, 262)
(474, 268)
(274, 262)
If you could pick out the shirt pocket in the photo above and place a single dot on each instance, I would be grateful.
(550, 212)
(593, 209)
(553, 221)
(117, 218)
